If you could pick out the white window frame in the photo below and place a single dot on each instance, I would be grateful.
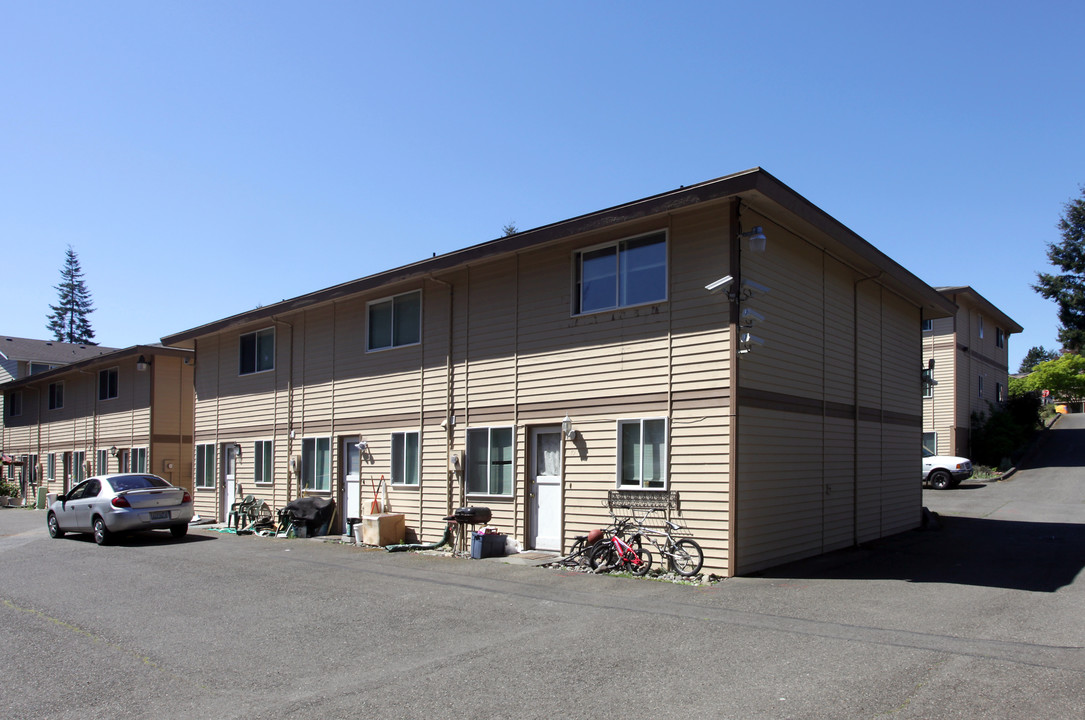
(927, 381)
(51, 466)
(109, 373)
(135, 461)
(309, 480)
(79, 470)
(621, 281)
(664, 457)
(204, 475)
(489, 464)
(934, 437)
(400, 456)
(369, 309)
(56, 395)
(263, 462)
(257, 337)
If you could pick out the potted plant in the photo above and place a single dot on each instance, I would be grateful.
(8, 490)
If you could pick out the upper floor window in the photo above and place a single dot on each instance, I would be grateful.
(107, 384)
(405, 458)
(262, 462)
(489, 461)
(56, 395)
(15, 403)
(981, 326)
(37, 367)
(395, 321)
(642, 453)
(205, 466)
(621, 274)
(928, 325)
(1000, 337)
(257, 352)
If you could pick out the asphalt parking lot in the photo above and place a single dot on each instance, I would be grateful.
(980, 617)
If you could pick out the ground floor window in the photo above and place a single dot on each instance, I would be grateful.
(205, 466)
(79, 472)
(930, 442)
(51, 466)
(135, 461)
(642, 453)
(316, 464)
(489, 461)
(103, 462)
(405, 458)
(263, 462)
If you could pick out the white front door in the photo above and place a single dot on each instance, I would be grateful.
(229, 474)
(545, 511)
(352, 482)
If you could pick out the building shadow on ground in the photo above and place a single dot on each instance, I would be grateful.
(1030, 556)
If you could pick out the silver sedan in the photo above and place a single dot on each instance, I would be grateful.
(111, 504)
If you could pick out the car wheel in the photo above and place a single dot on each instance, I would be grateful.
(940, 480)
(54, 526)
(178, 531)
(101, 532)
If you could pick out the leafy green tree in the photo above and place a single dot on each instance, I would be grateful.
(1062, 376)
(1035, 356)
(69, 321)
(1067, 289)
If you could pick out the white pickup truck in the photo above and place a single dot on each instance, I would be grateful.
(945, 471)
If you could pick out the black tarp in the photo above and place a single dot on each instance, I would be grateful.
(314, 513)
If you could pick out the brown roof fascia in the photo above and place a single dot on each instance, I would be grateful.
(103, 360)
(755, 186)
(1005, 321)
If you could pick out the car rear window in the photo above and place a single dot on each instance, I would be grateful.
(136, 482)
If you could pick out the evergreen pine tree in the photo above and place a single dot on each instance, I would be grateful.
(1068, 288)
(69, 321)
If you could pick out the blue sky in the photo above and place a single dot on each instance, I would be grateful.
(205, 158)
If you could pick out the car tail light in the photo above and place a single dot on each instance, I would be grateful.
(186, 499)
(120, 501)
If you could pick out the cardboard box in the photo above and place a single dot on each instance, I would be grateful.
(383, 529)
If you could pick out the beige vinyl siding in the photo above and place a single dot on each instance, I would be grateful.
(939, 410)
(812, 478)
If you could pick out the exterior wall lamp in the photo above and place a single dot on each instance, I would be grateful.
(142, 364)
(567, 428)
(756, 239)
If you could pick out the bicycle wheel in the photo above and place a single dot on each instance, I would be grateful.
(686, 557)
(578, 553)
(603, 557)
(643, 563)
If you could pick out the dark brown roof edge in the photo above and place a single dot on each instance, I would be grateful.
(1011, 327)
(104, 359)
(746, 181)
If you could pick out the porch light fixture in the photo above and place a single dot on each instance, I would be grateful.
(237, 449)
(746, 341)
(567, 428)
(113, 451)
(362, 445)
(756, 239)
(142, 364)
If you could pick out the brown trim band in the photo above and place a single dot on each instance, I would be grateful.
(781, 402)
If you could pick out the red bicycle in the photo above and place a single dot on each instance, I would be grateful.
(614, 553)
